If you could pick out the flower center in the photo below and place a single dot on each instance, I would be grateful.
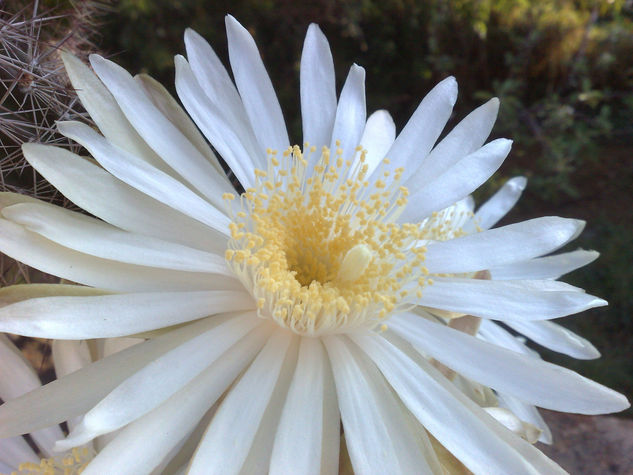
(318, 246)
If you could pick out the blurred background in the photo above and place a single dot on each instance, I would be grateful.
(562, 69)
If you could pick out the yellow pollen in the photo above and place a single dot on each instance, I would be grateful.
(323, 253)
(71, 464)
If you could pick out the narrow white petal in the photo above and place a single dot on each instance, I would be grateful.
(172, 421)
(256, 90)
(529, 379)
(95, 190)
(461, 426)
(500, 203)
(417, 138)
(499, 246)
(351, 113)
(527, 413)
(109, 316)
(493, 332)
(376, 431)
(131, 399)
(156, 129)
(377, 139)
(466, 137)
(96, 238)
(15, 451)
(557, 338)
(177, 116)
(145, 178)
(299, 436)
(233, 141)
(507, 300)
(18, 377)
(77, 392)
(318, 89)
(36, 251)
(106, 113)
(226, 444)
(458, 181)
(549, 267)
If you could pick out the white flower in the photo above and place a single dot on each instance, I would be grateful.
(308, 301)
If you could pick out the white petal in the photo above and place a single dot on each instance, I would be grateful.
(226, 444)
(499, 246)
(527, 413)
(417, 138)
(318, 89)
(461, 426)
(376, 431)
(351, 113)
(91, 236)
(557, 338)
(108, 316)
(106, 113)
(458, 181)
(234, 142)
(18, 377)
(169, 423)
(131, 399)
(529, 379)
(76, 393)
(223, 107)
(143, 177)
(40, 253)
(507, 300)
(465, 138)
(500, 203)
(550, 267)
(92, 188)
(159, 133)
(493, 332)
(177, 116)
(256, 90)
(300, 435)
(377, 139)
(14, 452)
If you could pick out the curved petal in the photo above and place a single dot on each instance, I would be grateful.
(416, 140)
(377, 434)
(40, 253)
(461, 426)
(500, 203)
(301, 432)
(107, 316)
(130, 400)
(507, 300)
(129, 452)
(95, 190)
(527, 413)
(96, 238)
(351, 114)
(557, 338)
(256, 90)
(318, 89)
(377, 139)
(156, 129)
(144, 178)
(77, 392)
(499, 246)
(550, 267)
(465, 138)
(227, 441)
(458, 181)
(529, 379)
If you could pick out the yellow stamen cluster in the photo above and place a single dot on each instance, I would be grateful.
(318, 246)
(72, 464)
